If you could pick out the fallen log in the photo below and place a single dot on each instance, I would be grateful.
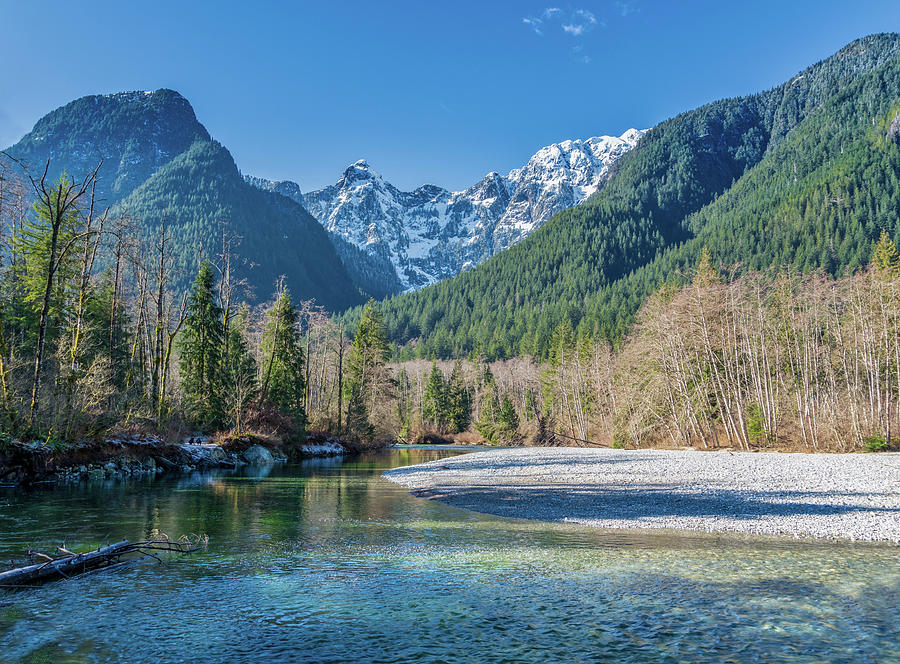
(75, 564)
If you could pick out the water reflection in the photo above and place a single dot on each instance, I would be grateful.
(327, 562)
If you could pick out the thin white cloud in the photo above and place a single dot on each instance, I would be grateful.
(535, 24)
(627, 7)
(573, 22)
(586, 15)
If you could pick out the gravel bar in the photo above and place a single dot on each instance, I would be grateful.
(828, 496)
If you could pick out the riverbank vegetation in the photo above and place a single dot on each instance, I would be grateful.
(764, 360)
(95, 340)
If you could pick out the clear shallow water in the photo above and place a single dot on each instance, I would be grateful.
(327, 562)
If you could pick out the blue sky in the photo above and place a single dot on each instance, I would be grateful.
(425, 91)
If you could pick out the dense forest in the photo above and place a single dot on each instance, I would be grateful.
(97, 339)
(158, 166)
(200, 189)
(98, 335)
(805, 174)
(736, 283)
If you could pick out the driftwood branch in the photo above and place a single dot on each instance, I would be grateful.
(74, 564)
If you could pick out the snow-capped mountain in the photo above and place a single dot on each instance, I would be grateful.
(430, 233)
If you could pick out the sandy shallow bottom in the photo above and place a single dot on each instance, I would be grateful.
(829, 496)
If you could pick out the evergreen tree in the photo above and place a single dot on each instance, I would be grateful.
(885, 256)
(404, 399)
(459, 401)
(368, 355)
(706, 271)
(488, 409)
(240, 370)
(283, 383)
(498, 421)
(45, 244)
(434, 401)
(507, 427)
(201, 346)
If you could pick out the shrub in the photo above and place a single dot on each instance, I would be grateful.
(875, 444)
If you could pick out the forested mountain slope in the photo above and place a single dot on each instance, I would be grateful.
(159, 162)
(803, 173)
(201, 188)
(133, 133)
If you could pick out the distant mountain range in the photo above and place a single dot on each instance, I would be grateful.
(160, 165)
(358, 238)
(804, 176)
(420, 237)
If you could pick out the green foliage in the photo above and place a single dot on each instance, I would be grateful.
(885, 257)
(875, 444)
(404, 406)
(200, 189)
(365, 364)
(32, 245)
(756, 424)
(447, 404)
(799, 175)
(498, 422)
(283, 375)
(434, 401)
(241, 370)
(202, 346)
(459, 401)
(706, 272)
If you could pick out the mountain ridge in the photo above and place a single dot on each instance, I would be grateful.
(592, 266)
(430, 233)
(160, 165)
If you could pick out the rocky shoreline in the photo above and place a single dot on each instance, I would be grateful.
(823, 496)
(149, 456)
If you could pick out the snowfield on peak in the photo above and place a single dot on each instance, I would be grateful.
(431, 234)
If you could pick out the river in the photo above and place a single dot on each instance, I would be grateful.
(326, 562)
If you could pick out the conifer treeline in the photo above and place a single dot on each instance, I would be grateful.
(806, 174)
(767, 360)
(94, 340)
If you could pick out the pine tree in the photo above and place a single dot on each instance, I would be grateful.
(45, 243)
(885, 256)
(283, 375)
(488, 409)
(404, 400)
(368, 355)
(240, 370)
(459, 401)
(201, 346)
(507, 428)
(434, 401)
(706, 271)
(498, 421)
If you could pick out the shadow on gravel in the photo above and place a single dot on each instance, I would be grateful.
(464, 463)
(602, 502)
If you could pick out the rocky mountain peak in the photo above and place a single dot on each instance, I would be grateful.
(430, 233)
(132, 133)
